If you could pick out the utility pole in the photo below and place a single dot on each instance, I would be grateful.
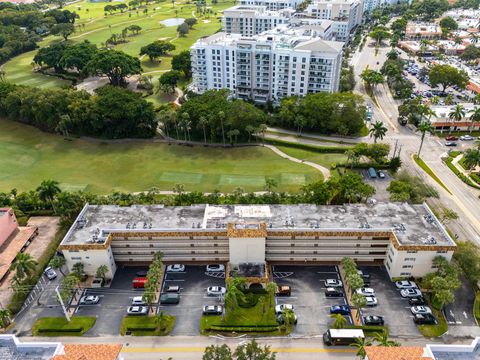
(62, 304)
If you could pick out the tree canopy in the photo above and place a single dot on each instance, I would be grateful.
(182, 62)
(446, 76)
(156, 49)
(116, 65)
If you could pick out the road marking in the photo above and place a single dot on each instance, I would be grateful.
(282, 275)
(202, 349)
(174, 280)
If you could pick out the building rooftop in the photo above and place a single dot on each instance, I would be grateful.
(12, 349)
(455, 352)
(396, 353)
(413, 224)
(89, 351)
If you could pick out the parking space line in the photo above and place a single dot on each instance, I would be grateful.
(174, 280)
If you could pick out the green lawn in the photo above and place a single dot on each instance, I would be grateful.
(429, 171)
(98, 28)
(477, 306)
(147, 325)
(58, 326)
(28, 156)
(435, 330)
(324, 159)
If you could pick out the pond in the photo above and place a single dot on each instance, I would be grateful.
(172, 21)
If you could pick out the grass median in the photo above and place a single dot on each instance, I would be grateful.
(160, 325)
(429, 171)
(435, 330)
(59, 326)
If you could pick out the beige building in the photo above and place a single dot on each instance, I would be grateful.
(404, 237)
(420, 31)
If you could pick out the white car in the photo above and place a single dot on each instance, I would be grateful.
(137, 310)
(280, 309)
(216, 291)
(89, 300)
(138, 300)
(215, 268)
(176, 268)
(466, 138)
(333, 283)
(405, 285)
(366, 291)
(408, 293)
(371, 300)
(50, 273)
(420, 310)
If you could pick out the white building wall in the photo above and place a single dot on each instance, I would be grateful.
(91, 259)
(244, 250)
(416, 263)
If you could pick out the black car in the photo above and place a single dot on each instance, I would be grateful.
(424, 319)
(417, 301)
(333, 292)
(373, 320)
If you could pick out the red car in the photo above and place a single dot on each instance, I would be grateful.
(451, 138)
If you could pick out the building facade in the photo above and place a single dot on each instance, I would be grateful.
(404, 237)
(442, 122)
(282, 62)
(249, 20)
(273, 5)
(422, 31)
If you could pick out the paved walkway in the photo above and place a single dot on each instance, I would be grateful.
(331, 139)
(460, 168)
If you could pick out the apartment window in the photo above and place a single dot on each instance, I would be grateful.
(407, 266)
(76, 258)
(391, 251)
(409, 259)
(411, 251)
(441, 252)
(405, 274)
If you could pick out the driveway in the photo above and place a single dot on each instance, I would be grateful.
(461, 311)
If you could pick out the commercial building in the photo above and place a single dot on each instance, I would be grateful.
(370, 5)
(442, 122)
(273, 4)
(250, 20)
(422, 31)
(405, 238)
(345, 14)
(287, 60)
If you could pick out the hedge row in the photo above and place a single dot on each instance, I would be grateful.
(60, 330)
(243, 328)
(141, 328)
(457, 172)
(319, 149)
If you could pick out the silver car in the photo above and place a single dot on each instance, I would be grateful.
(408, 293)
(216, 291)
(137, 310)
(420, 310)
(89, 300)
(404, 284)
(50, 273)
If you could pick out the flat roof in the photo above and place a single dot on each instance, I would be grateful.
(412, 224)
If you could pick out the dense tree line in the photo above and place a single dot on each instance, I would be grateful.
(112, 112)
(392, 69)
(335, 113)
(21, 27)
(429, 9)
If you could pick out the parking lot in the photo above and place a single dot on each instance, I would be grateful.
(308, 295)
(193, 283)
(380, 185)
(394, 308)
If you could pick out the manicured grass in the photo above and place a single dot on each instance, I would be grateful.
(435, 330)
(147, 325)
(429, 171)
(323, 159)
(98, 28)
(28, 156)
(458, 133)
(476, 307)
(59, 326)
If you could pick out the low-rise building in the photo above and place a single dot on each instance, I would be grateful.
(442, 122)
(287, 60)
(403, 237)
(250, 20)
(420, 31)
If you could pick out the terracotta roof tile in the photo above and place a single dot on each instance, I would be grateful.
(89, 352)
(395, 353)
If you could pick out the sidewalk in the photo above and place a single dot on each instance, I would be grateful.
(460, 168)
(347, 140)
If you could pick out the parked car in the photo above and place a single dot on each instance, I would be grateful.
(373, 320)
(451, 138)
(421, 309)
(216, 291)
(340, 309)
(450, 143)
(171, 289)
(50, 273)
(283, 290)
(139, 283)
(280, 309)
(371, 300)
(89, 300)
(424, 319)
(215, 268)
(381, 174)
(169, 298)
(176, 268)
(137, 310)
(212, 310)
(138, 301)
(466, 138)
(417, 301)
(404, 284)
(333, 292)
(142, 273)
(409, 293)
(333, 283)
(365, 291)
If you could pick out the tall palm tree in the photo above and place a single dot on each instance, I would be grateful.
(475, 116)
(456, 114)
(424, 127)
(361, 344)
(203, 122)
(378, 131)
(383, 340)
(47, 191)
(471, 159)
(339, 321)
(221, 116)
(24, 266)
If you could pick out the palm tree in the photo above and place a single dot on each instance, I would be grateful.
(435, 100)
(382, 339)
(378, 131)
(339, 321)
(57, 262)
(203, 122)
(424, 127)
(449, 99)
(102, 271)
(475, 116)
(24, 266)
(361, 344)
(221, 116)
(47, 191)
(457, 113)
(250, 130)
(262, 128)
(4, 318)
(471, 158)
